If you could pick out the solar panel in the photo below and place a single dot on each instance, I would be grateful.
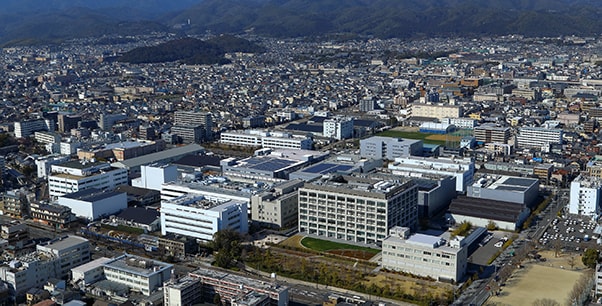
(341, 168)
(319, 168)
(518, 181)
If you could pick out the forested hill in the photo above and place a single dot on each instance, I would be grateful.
(191, 51)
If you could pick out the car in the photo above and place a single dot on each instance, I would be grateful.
(499, 244)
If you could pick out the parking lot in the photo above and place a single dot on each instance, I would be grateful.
(488, 246)
(570, 233)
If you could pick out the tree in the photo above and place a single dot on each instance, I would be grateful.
(217, 299)
(227, 245)
(491, 225)
(590, 258)
(572, 262)
(545, 302)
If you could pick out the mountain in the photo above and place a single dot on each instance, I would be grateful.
(191, 51)
(42, 21)
(401, 18)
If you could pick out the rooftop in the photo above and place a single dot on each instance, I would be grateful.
(137, 265)
(91, 195)
(91, 265)
(240, 280)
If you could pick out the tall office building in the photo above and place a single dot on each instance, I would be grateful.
(585, 196)
(193, 126)
(356, 209)
(67, 122)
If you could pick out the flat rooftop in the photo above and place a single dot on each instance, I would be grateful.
(240, 280)
(63, 242)
(80, 164)
(137, 265)
(91, 265)
(91, 195)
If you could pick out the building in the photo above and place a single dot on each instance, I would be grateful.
(598, 280)
(413, 166)
(52, 259)
(436, 111)
(15, 203)
(480, 212)
(15, 233)
(438, 257)
(107, 121)
(43, 164)
(277, 208)
(518, 190)
(435, 192)
(337, 164)
(56, 216)
(47, 137)
(67, 122)
(230, 287)
(356, 209)
(193, 216)
(269, 165)
(89, 273)
(28, 127)
(266, 139)
(122, 150)
(153, 176)
(193, 126)
(378, 147)
(585, 196)
(75, 176)
(93, 203)
(462, 123)
(253, 122)
(487, 133)
(140, 196)
(183, 291)
(139, 274)
(133, 165)
(338, 128)
(538, 138)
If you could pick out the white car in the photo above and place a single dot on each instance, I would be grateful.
(499, 244)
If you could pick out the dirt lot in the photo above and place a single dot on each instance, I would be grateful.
(552, 279)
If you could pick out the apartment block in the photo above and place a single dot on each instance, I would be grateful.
(585, 196)
(538, 138)
(490, 133)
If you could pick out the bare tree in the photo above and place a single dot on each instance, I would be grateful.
(572, 262)
(545, 302)
(557, 248)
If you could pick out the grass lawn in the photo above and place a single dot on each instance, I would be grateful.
(324, 246)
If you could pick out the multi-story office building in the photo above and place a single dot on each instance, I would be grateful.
(53, 259)
(277, 208)
(414, 166)
(47, 137)
(93, 203)
(356, 209)
(90, 272)
(378, 147)
(438, 257)
(585, 196)
(183, 291)
(193, 216)
(490, 133)
(67, 122)
(274, 140)
(230, 287)
(193, 126)
(28, 127)
(538, 138)
(74, 176)
(140, 274)
(338, 128)
(436, 111)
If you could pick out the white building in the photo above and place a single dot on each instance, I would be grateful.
(389, 148)
(52, 259)
(44, 163)
(356, 209)
(538, 138)
(183, 291)
(94, 203)
(414, 166)
(338, 128)
(425, 255)
(153, 176)
(140, 274)
(266, 139)
(47, 137)
(436, 111)
(74, 176)
(585, 196)
(89, 273)
(28, 127)
(462, 123)
(193, 216)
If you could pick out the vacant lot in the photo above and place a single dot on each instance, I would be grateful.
(529, 284)
(437, 139)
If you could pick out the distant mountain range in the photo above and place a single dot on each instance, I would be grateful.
(31, 21)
